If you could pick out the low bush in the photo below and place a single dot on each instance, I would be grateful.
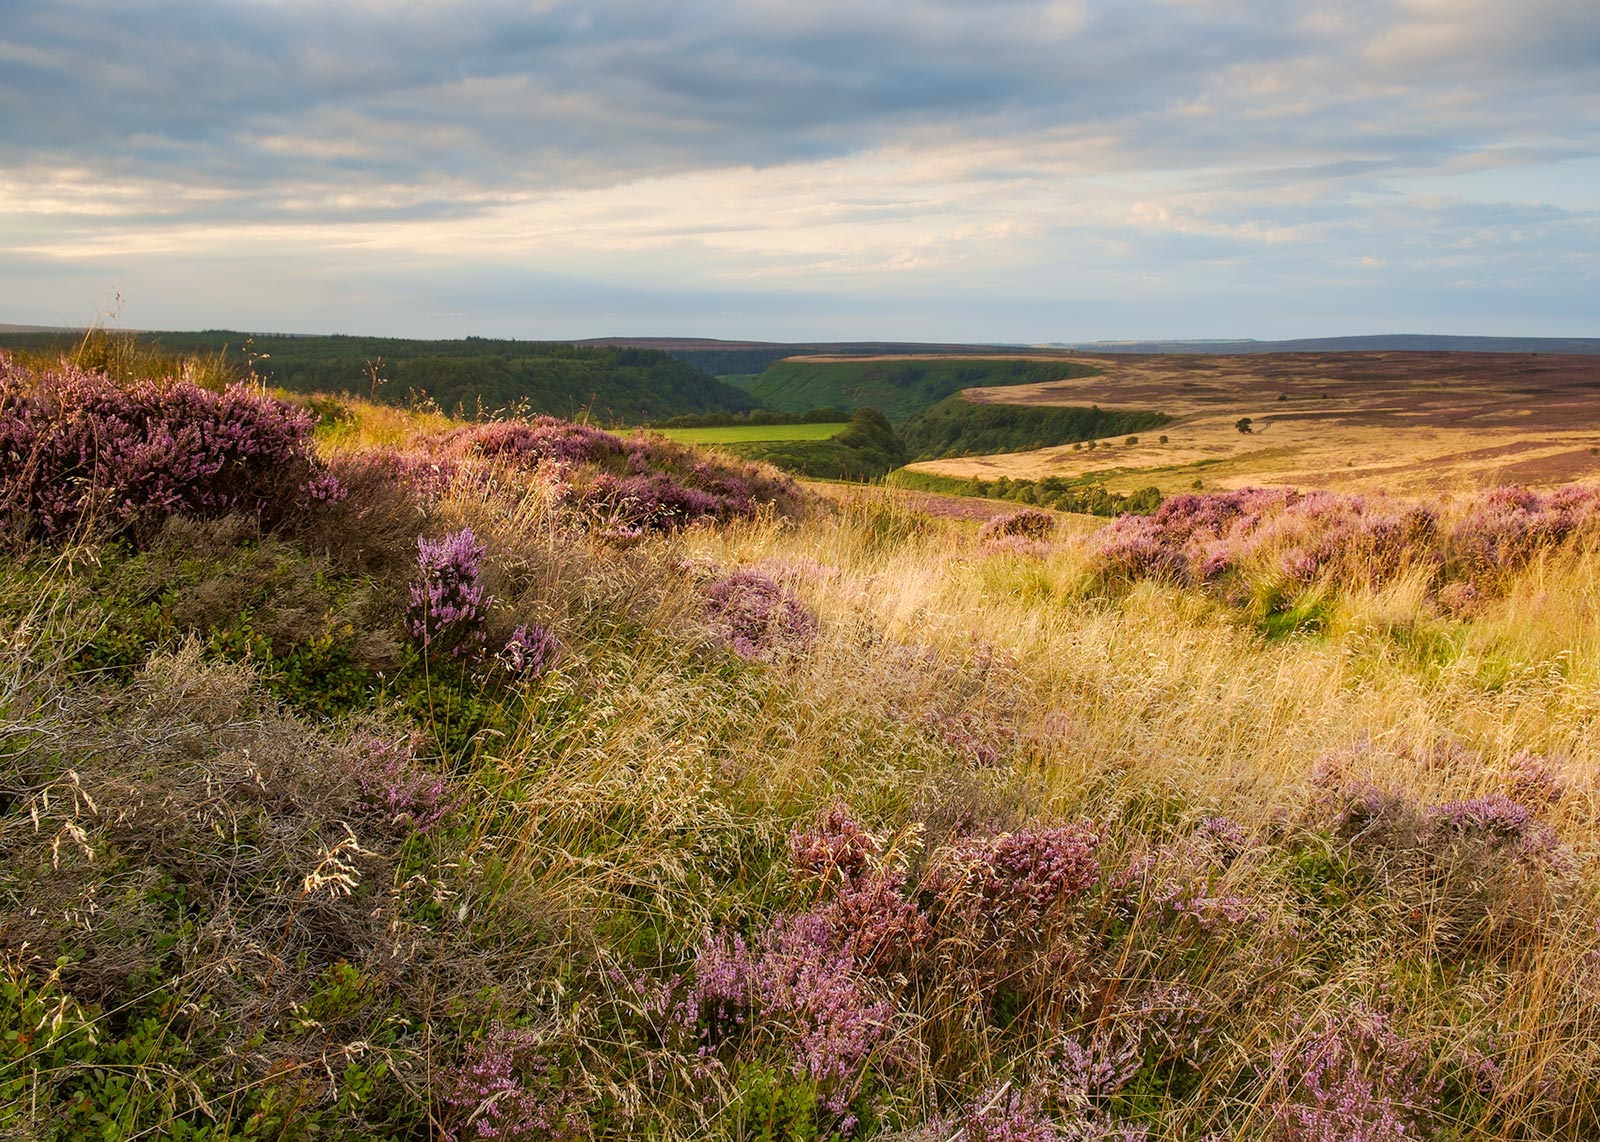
(80, 452)
(1278, 538)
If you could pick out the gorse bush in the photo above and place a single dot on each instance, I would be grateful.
(78, 450)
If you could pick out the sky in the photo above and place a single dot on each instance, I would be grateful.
(952, 170)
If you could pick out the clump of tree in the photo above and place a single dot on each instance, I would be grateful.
(756, 416)
(959, 427)
(1059, 492)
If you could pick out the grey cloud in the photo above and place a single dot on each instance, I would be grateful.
(628, 86)
(1290, 114)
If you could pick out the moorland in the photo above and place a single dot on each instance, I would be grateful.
(369, 772)
(1414, 421)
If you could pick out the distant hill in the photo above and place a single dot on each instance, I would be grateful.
(899, 387)
(610, 384)
(1381, 343)
(730, 358)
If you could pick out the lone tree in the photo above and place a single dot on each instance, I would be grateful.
(1243, 424)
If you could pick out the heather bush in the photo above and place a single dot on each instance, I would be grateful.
(1282, 541)
(1481, 873)
(540, 439)
(625, 488)
(396, 790)
(530, 651)
(79, 450)
(1013, 880)
(507, 1089)
(758, 617)
(800, 984)
(1026, 524)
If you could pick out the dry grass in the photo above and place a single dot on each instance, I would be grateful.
(642, 795)
(1398, 422)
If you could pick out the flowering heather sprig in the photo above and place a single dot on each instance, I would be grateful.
(1096, 1067)
(798, 981)
(758, 617)
(1224, 835)
(530, 651)
(1495, 816)
(876, 921)
(326, 488)
(1494, 822)
(448, 605)
(506, 1090)
(834, 846)
(1006, 1115)
(870, 912)
(396, 787)
(1022, 874)
(1532, 781)
(1355, 1080)
(816, 984)
(76, 445)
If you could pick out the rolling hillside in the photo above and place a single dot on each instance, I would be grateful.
(897, 386)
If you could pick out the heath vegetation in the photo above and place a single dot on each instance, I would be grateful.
(366, 774)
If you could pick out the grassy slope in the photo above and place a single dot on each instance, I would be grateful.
(898, 388)
(175, 808)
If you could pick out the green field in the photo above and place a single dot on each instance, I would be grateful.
(751, 433)
(899, 387)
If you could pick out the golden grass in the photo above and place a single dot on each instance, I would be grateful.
(636, 791)
(1162, 686)
(1350, 422)
(645, 793)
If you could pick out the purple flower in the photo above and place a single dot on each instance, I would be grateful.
(395, 786)
(1355, 1080)
(530, 651)
(758, 617)
(540, 439)
(77, 448)
(505, 1089)
(448, 605)
(1022, 874)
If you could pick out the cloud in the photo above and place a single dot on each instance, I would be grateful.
(928, 147)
